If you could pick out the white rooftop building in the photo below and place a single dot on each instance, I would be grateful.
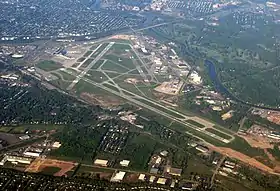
(101, 162)
(124, 163)
(118, 176)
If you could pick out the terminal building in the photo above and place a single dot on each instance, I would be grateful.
(15, 160)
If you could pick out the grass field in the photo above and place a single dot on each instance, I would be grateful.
(67, 76)
(50, 170)
(218, 133)
(48, 65)
(99, 50)
(138, 150)
(125, 62)
(87, 53)
(61, 84)
(5, 129)
(81, 59)
(97, 64)
(195, 123)
(112, 74)
(93, 169)
(96, 76)
(87, 62)
(36, 128)
(111, 66)
(112, 87)
(196, 165)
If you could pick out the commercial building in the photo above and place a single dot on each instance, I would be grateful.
(118, 176)
(141, 177)
(161, 181)
(101, 162)
(32, 154)
(202, 149)
(174, 171)
(152, 179)
(56, 145)
(124, 163)
(15, 159)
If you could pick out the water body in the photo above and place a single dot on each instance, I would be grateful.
(223, 90)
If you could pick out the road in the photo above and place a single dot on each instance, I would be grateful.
(217, 170)
(21, 144)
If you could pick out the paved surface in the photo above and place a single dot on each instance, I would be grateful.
(82, 74)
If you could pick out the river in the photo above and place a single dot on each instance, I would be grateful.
(223, 90)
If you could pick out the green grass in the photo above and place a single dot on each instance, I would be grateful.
(196, 165)
(60, 84)
(112, 74)
(112, 87)
(93, 169)
(50, 170)
(99, 50)
(275, 152)
(138, 150)
(195, 123)
(87, 62)
(125, 62)
(134, 72)
(76, 64)
(96, 76)
(87, 53)
(5, 129)
(161, 108)
(97, 64)
(83, 86)
(121, 46)
(48, 65)
(239, 144)
(81, 59)
(31, 128)
(218, 133)
(67, 76)
(109, 65)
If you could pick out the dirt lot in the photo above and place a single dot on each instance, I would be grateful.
(105, 101)
(39, 164)
(257, 141)
(10, 138)
(244, 158)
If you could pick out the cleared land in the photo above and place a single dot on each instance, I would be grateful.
(39, 164)
(243, 158)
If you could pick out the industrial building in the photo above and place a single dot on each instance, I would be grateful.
(15, 159)
(174, 171)
(141, 177)
(161, 181)
(124, 163)
(118, 176)
(101, 162)
(32, 154)
(202, 149)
